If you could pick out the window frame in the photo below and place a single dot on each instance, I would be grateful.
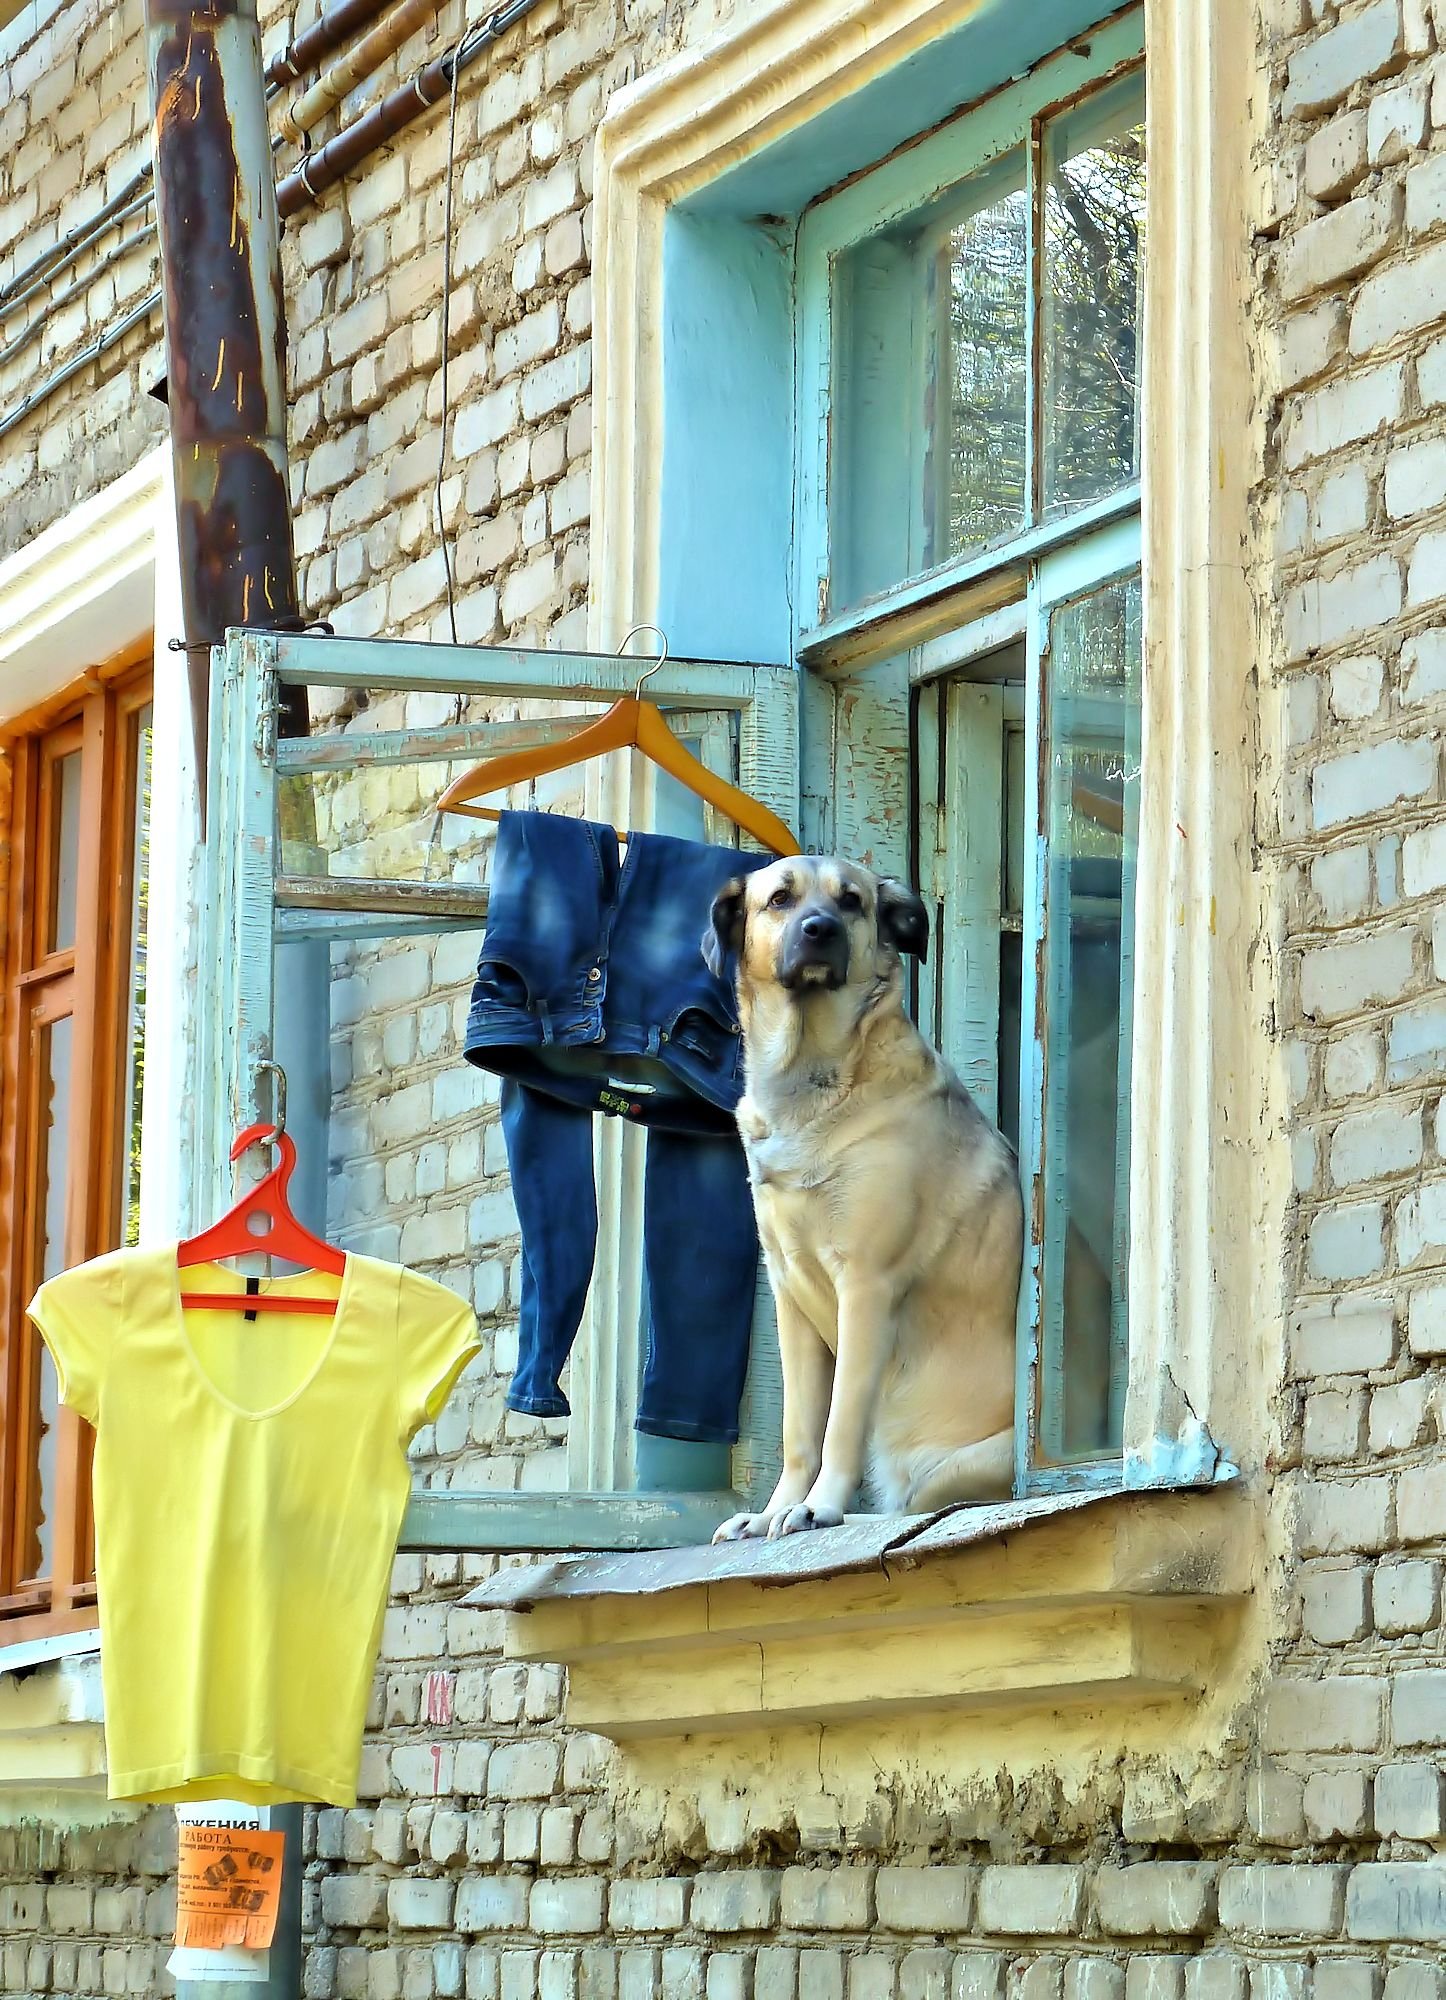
(698, 169)
(87, 982)
(250, 904)
(875, 657)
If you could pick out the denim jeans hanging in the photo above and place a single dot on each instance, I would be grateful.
(592, 995)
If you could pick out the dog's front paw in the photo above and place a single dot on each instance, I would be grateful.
(743, 1528)
(795, 1520)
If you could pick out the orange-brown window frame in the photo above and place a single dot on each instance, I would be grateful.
(88, 981)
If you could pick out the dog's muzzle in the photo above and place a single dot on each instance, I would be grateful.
(815, 952)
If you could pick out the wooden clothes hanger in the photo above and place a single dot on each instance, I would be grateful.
(282, 1236)
(630, 724)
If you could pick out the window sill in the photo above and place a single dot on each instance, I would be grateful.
(1067, 1599)
(52, 1734)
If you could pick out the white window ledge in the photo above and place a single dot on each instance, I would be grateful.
(1069, 1598)
(52, 1731)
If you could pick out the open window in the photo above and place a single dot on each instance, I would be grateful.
(970, 329)
(343, 929)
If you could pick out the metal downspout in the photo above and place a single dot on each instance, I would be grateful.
(226, 392)
(225, 328)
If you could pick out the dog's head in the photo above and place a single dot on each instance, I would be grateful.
(810, 923)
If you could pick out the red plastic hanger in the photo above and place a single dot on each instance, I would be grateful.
(282, 1236)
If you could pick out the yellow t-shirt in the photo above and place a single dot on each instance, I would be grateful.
(250, 1478)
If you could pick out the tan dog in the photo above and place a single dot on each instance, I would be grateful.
(888, 1206)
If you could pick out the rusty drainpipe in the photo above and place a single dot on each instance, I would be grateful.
(225, 333)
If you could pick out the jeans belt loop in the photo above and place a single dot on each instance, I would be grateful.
(546, 1020)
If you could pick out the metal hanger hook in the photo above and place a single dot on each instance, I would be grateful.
(278, 1075)
(661, 661)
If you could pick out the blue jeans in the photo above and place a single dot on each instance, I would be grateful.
(700, 1254)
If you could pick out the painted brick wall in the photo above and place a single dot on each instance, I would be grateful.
(495, 1855)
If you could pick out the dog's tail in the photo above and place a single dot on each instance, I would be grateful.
(982, 1471)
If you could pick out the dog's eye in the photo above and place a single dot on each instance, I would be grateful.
(849, 899)
(780, 899)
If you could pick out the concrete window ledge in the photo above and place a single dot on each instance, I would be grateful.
(1116, 1596)
(52, 1731)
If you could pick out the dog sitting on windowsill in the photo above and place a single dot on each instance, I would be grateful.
(888, 1206)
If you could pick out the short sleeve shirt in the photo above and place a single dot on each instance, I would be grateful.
(250, 1477)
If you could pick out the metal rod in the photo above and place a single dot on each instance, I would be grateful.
(76, 238)
(31, 333)
(323, 168)
(359, 62)
(12, 303)
(334, 27)
(116, 331)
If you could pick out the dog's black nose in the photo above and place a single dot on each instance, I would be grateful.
(819, 927)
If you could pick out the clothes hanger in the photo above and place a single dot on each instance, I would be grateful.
(282, 1236)
(630, 724)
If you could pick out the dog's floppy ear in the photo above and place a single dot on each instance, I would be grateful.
(724, 934)
(903, 920)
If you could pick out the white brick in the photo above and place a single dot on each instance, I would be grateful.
(1339, 244)
(1322, 612)
(1371, 1144)
(1421, 1221)
(1426, 195)
(1338, 1516)
(1406, 1596)
(1400, 1899)
(420, 1903)
(1423, 668)
(1310, 341)
(1416, 477)
(935, 1901)
(1396, 124)
(1337, 1807)
(1266, 1900)
(1346, 1241)
(1321, 422)
(1345, 1336)
(1338, 979)
(527, 1770)
(1342, 881)
(1363, 47)
(1342, 504)
(1426, 1320)
(1353, 1064)
(1426, 571)
(1335, 156)
(485, 421)
(1041, 1901)
(1424, 856)
(1416, 1045)
(1399, 1412)
(1399, 299)
(1409, 1800)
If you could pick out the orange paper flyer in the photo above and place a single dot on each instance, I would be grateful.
(229, 1887)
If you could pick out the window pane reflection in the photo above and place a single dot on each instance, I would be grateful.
(54, 1047)
(931, 365)
(1094, 219)
(1092, 809)
(65, 846)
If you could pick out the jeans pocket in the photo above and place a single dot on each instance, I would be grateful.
(500, 982)
(696, 1031)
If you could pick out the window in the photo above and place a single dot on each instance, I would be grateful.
(72, 1077)
(969, 405)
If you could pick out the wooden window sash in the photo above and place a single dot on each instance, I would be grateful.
(83, 982)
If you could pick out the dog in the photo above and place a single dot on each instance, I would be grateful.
(888, 1206)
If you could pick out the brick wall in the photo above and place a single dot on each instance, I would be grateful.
(496, 1855)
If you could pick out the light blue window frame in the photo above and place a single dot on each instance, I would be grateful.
(884, 648)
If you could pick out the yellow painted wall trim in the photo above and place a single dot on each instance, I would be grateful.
(1138, 1599)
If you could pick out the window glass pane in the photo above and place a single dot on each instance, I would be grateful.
(135, 1010)
(1094, 219)
(65, 846)
(930, 360)
(1092, 817)
(52, 1161)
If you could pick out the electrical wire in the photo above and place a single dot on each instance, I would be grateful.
(67, 248)
(107, 339)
